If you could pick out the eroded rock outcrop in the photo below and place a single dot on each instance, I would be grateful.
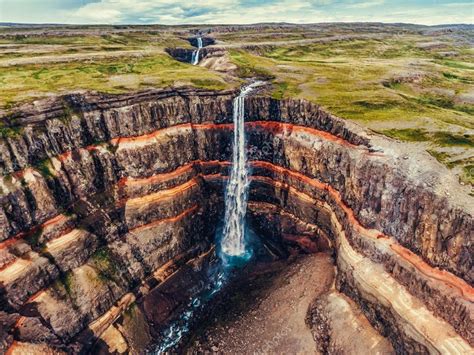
(104, 197)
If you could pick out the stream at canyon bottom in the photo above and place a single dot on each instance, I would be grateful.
(235, 243)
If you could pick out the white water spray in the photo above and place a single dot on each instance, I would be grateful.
(195, 57)
(233, 239)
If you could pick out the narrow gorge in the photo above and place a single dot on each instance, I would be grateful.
(110, 207)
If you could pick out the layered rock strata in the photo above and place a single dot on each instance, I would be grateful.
(186, 54)
(105, 198)
(339, 326)
(206, 41)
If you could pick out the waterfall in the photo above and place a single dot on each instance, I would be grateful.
(195, 57)
(232, 244)
(233, 239)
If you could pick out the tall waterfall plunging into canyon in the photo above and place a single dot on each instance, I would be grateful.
(234, 248)
(195, 57)
(233, 238)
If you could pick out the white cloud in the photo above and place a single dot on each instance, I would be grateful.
(366, 4)
(232, 11)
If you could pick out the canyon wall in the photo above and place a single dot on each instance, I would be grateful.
(105, 199)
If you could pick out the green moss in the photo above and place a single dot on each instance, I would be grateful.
(279, 91)
(130, 311)
(33, 239)
(44, 167)
(465, 108)
(64, 283)
(442, 157)
(440, 101)
(445, 102)
(468, 174)
(408, 135)
(451, 139)
(441, 138)
(210, 84)
(284, 89)
(37, 75)
(113, 69)
(248, 67)
(8, 179)
(380, 105)
(102, 260)
(457, 64)
(10, 132)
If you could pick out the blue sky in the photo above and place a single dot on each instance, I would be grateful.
(235, 11)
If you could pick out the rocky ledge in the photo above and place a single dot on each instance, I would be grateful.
(211, 56)
(106, 199)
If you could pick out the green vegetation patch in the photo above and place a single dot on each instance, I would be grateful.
(249, 66)
(33, 238)
(446, 139)
(211, 84)
(64, 285)
(441, 157)
(103, 262)
(118, 75)
(457, 64)
(408, 134)
(452, 139)
(284, 90)
(445, 102)
(10, 132)
(468, 174)
(44, 167)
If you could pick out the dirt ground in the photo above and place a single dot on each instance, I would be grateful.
(267, 314)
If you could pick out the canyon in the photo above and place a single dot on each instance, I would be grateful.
(110, 203)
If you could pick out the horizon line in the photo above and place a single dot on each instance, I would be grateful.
(5, 23)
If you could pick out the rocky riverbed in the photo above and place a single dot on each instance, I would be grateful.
(266, 311)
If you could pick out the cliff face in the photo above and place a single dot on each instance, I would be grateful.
(104, 197)
(206, 41)
(185, 54)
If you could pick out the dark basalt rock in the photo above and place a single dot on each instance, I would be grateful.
(206, 41)
(185, 54)
(181, 54)
(89, 214)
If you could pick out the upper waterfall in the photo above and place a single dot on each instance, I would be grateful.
(195, 57)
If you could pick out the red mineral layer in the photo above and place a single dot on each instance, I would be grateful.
(57, 219)
(441, 275)
(271, 126)
(286, 128)
(446, 277)
(166, 220)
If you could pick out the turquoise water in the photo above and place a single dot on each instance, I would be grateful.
(219, 275)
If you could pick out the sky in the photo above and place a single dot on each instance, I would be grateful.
(173, 12)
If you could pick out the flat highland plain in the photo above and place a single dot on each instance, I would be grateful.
(409, 82)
